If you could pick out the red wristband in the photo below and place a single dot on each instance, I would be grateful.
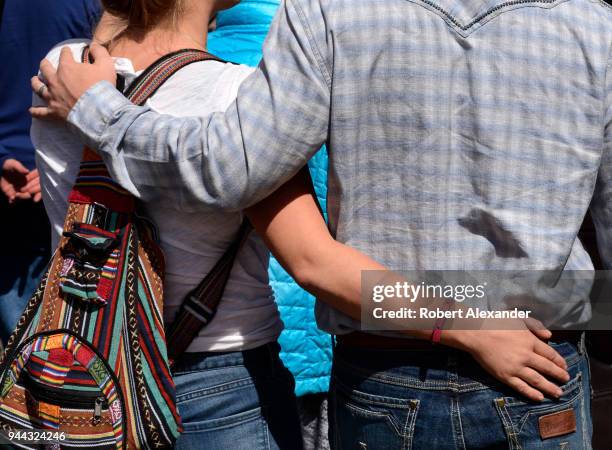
(436, 334)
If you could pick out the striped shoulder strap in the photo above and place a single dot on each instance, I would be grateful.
(94, 184)
(154, 76)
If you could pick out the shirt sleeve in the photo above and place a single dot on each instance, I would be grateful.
(4, 155)
(601, 207)
(225, 160)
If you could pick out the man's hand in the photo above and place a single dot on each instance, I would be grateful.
(519, 358)
(13, 181)
(70, 81)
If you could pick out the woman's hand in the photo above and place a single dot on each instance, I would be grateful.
(519, 358)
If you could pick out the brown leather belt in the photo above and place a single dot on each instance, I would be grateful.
(359, 339)
(571, 336)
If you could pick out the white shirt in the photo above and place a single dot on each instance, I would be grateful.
(192, 239)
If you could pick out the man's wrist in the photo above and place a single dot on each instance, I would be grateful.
(459, 339)
(98, 107)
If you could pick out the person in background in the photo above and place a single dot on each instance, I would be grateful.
(27, 30)
(306, 351)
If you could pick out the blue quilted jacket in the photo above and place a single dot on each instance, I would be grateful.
(306, 351)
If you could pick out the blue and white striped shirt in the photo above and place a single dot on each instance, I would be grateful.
(462, 134)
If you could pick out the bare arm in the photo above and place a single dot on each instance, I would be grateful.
(292, 226)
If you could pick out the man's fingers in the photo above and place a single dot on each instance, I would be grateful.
(48, 71)
(40, 88)
(99, 54)
(538, 328)
(545, 350)
(41, 112)
(37, 197)
(66, 58)
(525, 390)
(548, 368)
(538, 382)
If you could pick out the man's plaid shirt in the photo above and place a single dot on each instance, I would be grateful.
(461, 134)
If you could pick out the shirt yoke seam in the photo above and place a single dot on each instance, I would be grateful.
(313, 45)
(486, 14)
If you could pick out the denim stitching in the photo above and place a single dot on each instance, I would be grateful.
(410, 423)
(266, 433)
(369, 398)
(585, 440)
(413, 382)
(511, 434)
(591, 392)
(486, 14)
(512, 431)
(456, 423)
(205, 392)
(379, 414)
(574, 357)
(550, 410)
(574, 384)
(227, 422)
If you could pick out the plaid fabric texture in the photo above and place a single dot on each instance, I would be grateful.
(461, 134)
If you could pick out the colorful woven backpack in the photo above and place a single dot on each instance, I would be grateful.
(88, 358)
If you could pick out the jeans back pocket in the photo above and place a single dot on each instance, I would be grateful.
(551, 424)
(368, 421)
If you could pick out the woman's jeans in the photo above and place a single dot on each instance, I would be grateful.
(236, 400)
(441, 399)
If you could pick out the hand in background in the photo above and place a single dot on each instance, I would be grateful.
(33, 186)
(14, 179)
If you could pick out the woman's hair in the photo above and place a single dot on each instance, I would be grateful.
(141, 14)
(137, 16)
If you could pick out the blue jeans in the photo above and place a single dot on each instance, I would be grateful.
(441, 399)
(20, 274)
(237, 401)
(24, 254)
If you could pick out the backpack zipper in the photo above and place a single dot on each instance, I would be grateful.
(21, 345)
(64, 398)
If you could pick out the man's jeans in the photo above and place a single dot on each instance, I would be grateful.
(441, 399)
(237, 401)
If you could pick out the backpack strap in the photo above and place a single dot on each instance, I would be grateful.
(161, 70)
(154, 76)
(94, 184)
(201, 304)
